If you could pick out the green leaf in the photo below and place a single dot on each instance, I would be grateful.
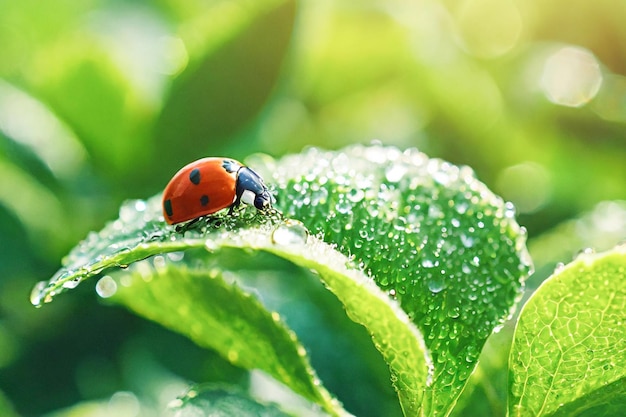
(430, 234)
(227, 87)
(89, 93)
(221, 402)
(569, 351)
(427, 232)
(217, 314)
(6, 408)
(207, 312)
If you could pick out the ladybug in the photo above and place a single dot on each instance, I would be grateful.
(209, 185)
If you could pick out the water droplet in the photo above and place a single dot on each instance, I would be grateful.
(106, 287)
(343, 206)
(355, 195)
(509, 210)
(442, 177)
(290, 232)
(437, 283)
(37, 293)
(454, 312)
(395, 172)
(301, 350)
(428, 262)
(559, 267)
(585, 255)
(73, 283)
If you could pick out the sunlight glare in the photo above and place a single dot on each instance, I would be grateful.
(571, 77)
(526, 185)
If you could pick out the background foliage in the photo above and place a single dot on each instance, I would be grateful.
(101, 101)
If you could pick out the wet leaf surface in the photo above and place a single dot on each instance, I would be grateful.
(569, 349)
(428, 233)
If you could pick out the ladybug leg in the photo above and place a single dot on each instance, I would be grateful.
(233, 206)
(182, 228)
(237, 202)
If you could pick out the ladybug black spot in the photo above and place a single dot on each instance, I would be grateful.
(167, 205)
(194, 176)
(204, 200)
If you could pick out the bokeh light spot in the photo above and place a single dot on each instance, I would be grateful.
(527, 185)
(489, 28)
(571, 77)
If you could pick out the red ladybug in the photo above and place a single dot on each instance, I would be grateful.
(209, 185)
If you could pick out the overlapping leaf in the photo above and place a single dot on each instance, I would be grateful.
(569, 353)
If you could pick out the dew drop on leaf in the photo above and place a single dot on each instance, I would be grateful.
(72, 283)
(290, 232)
(395, 172)
(356, 194)
(436, 283)
(36, 293)
(343, 206)
(559, 267)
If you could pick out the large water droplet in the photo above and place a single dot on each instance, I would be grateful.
(436, 283)
(290, 232)
(37, 293)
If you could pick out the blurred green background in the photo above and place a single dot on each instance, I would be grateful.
(103, 100)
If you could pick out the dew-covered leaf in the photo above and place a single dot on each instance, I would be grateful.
(176, 299)
(429, 233)
(208, 401)
(569, 351)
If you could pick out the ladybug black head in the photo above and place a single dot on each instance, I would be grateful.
(263, 201)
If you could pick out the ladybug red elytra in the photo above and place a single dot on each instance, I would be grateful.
(209, 185)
